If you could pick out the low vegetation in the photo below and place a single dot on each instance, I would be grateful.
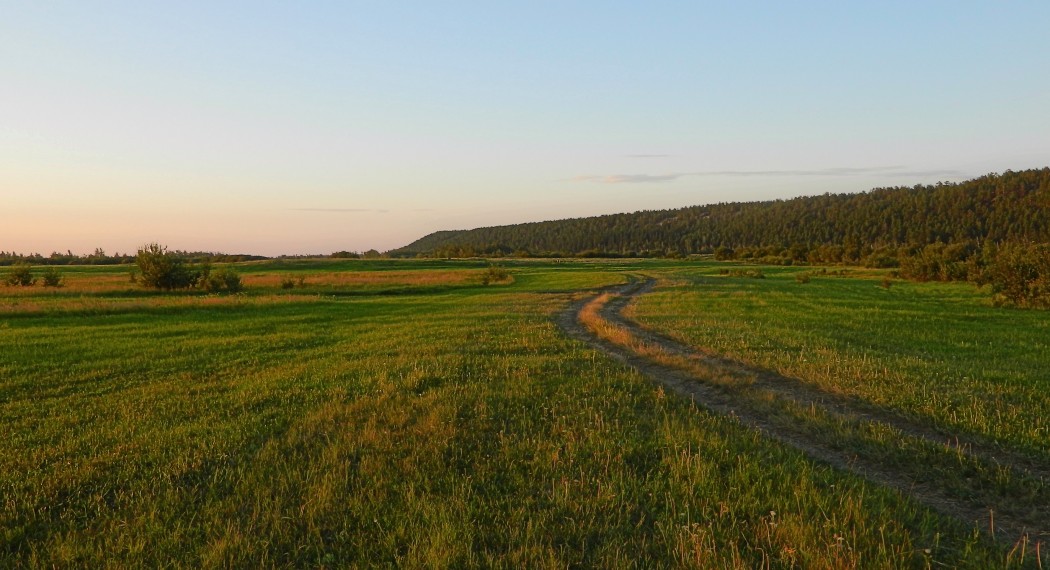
(1020, 276)
(162, 269)
(749, 272)
(967, 478)
(396, 413)
(494, 274)
(51, 277)
(223, 280)
(20, 275)
(941, 352)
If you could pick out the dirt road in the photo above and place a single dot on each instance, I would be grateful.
(1002, 516)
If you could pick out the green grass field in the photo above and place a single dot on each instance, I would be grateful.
(939, 352)
(400, 413)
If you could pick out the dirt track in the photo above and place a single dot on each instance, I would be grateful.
(1011, 521)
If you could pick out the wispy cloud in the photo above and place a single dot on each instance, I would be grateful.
(341, 210)
(670, 177)
(927, 173)
(629, 178)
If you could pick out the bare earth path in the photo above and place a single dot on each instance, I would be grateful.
(999, 516)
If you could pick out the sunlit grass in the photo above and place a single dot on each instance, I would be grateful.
(956, 473)
(435, 427)
(936, 351)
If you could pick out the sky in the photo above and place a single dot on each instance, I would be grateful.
(311, 127)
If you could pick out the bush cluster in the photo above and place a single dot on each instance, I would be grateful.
(1020, 276)
(162, 269)
(494, 274)
(748, 273)
(167, 271)
(21, 275)
(940, 262)
(221, 280)
(52, 278)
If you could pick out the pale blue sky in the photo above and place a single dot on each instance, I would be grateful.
(267, 127)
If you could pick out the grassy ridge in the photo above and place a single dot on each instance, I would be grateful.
(438, 426)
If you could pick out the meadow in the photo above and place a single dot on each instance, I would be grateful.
(402, 413)
(939, 352)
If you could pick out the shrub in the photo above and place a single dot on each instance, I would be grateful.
(162, 269)
(749, 273)
(939, 262)
(287, 283)
(494, 274)
(21, 275)
(886, 282)
(1020, 276)
(159, 268)
(881, 261)
(52, 278)
(222, 280)
(803, 277)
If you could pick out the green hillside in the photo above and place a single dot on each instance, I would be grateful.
(1007, 207)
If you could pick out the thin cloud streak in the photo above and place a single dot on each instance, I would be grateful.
(341, 210)
(629, 178)
(649, 178)
(949, 173)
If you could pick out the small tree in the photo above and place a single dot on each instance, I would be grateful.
(221, 280)
(1020, 275)
(723, 253)
(21, 275)
(52, 278)
(494, 274)
(162, 269)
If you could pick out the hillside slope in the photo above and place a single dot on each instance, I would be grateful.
(1008, 207)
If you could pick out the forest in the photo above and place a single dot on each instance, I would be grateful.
(873, 227)
(993, 230)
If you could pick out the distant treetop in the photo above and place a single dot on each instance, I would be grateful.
(1007, 207)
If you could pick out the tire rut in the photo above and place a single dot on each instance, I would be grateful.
(730, 401)
(809, 395)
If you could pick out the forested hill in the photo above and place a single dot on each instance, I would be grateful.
(1008, 207)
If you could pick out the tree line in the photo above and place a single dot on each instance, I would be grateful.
(1007, 207)
(154, 266)
(100, 257)
(991, 230)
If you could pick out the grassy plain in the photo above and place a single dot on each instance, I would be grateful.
(400, 413)
(939, 352)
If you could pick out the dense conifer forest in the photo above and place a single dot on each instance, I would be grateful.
(993, 230)
(874, 227)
